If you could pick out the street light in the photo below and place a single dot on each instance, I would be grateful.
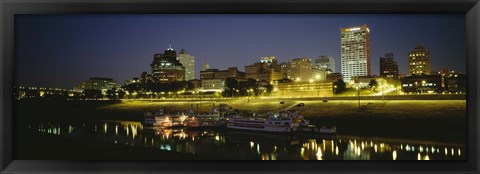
(358, 95)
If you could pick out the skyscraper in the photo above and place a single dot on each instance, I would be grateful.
(188, 61)
(166, 68)
(419, 61)
(355, 49)
(388, 66)
(325, 62)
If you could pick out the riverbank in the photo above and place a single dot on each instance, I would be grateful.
(435, 120)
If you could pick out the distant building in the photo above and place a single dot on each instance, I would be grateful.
(131, 81)
(188, 61)
(262, 72)
(221, 74)
(419, 61)
(334, 76)
(319, 75)
(213, 85)
(194, 86)
(325, 62)
(452, 81)
(422, 84)
(388, 66)
(283, 70)
(22, 92)
(166, 68)
(355, 51)
(98, 83)
(304, 89)
(145, 78)
(206, 65)
(361, 81)
(300, 69)
(271, 62)
(230, 72)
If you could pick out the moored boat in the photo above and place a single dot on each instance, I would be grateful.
(157, 119)
(283, 121)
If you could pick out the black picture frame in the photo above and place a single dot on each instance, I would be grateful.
(8, 9)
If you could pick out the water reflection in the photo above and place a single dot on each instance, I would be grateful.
(234, 144)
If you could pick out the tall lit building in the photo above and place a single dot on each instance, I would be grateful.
(355, 50)
(388, 66)
(188, 61)
(300, 69)
(325, 62)
(419, 61)
(166, 68)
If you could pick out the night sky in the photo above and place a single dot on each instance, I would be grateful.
(64, 50)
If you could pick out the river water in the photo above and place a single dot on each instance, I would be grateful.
(251, 145)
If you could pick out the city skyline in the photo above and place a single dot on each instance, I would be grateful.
(119, 52)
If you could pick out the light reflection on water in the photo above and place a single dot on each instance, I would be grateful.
(235, 144)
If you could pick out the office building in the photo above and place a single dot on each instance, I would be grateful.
(388, 66)
(98, 83)
(419, 61)
(300, 69)
(325, 63)
(166, 68)
(355, 52)
(188, 61)
(262, 72)
(213, 85)
(221, 74)
(304, 89)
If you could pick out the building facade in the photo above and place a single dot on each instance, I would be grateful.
(98, 83)
(188, 61)
(422, 84)
(262, 72)
(355, 52)
(452, 81)
(213, 85)
(388, 66)
(166, 68)
(271, 62)
(283, 70)
(221, 74)
(304, 89)
(300, 69)
(419, 61)
(325, 63)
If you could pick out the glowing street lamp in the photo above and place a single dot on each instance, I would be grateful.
(358, 95)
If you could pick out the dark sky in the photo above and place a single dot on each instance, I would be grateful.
(64, 50)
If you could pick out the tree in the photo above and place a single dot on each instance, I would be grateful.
(112, 94)
(121, 94)
(339, 86)
(252, 84)
(92, 93)
(373, 83)
(231, 85)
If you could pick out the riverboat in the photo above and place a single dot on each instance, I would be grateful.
(157, 119)
(283, 121)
